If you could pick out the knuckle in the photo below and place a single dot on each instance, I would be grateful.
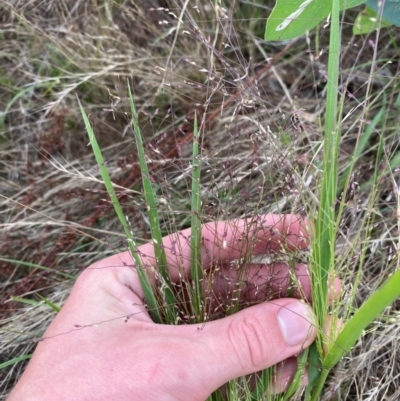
(247, 337)
(87, 275)
(92, 276)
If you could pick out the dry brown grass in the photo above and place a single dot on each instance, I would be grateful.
(261, 148)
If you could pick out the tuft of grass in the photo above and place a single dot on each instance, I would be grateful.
(262, 111)
(168, 298)
(323, 246)
(144, 280)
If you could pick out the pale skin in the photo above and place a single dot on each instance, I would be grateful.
(103, 344)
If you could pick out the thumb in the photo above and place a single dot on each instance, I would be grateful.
(254, 339)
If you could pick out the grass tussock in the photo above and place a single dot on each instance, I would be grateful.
(260, 110)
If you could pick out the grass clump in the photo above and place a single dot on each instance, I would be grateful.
(227, 125)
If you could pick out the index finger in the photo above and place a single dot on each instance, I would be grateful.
(225, 241)
(222, 242)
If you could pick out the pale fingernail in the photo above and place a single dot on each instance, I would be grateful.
(296, 323)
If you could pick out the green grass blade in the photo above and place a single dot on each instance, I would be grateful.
(149, 295)
(52, 305)
(39, 267)
(159, 252)
(25, 301)
(352, 331)
(323, 249)
(144, 280)
(314, 369)
(365, 315)
(324, 242)
(195, 236)
(298, 377)
(15, 360)
(262, 384)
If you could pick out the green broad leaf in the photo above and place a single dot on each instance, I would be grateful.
(368, 21)
(390, 12)
(293, 18)
(344, 5)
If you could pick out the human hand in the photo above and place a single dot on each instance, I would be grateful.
(103, 345)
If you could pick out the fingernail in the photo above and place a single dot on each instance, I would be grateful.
(296, 323)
